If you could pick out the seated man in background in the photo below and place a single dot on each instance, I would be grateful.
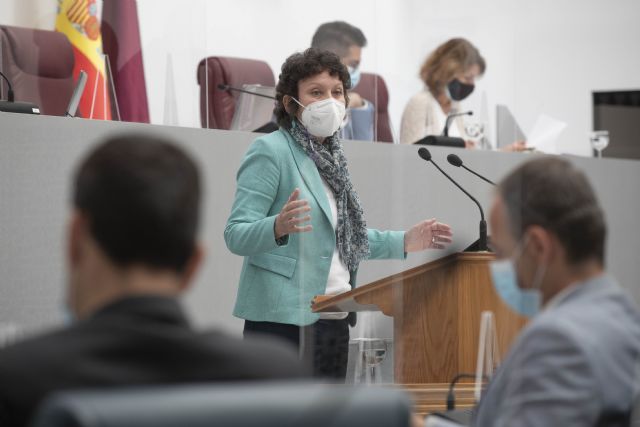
(347, 42)
(575, 363)
(132, 251)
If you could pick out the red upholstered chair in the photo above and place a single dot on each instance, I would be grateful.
(373, 88)
(216, 109)
(39, 65)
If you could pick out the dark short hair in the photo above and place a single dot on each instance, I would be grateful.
(141, 195)
(554, 194)
(300, 66)
(338, 37)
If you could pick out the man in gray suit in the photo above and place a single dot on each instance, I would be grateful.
(575, 364)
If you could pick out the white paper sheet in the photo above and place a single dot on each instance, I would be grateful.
(544, 134)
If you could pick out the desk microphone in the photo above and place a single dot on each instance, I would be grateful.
(10, 96)
(457, 161)
(451, 396)
(10, 106)
(442, 141)
(237, 89)
(445, 131)
(482, 241)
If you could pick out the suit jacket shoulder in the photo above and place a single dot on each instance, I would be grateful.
(138, 341)
(571, 365)
(275, 143)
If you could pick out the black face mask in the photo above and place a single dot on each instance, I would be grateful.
(459, 90)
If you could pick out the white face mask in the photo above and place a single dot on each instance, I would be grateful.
(322, 118)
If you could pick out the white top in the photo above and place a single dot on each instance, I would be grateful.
(423, 116)
(338, 280)
(441, 119)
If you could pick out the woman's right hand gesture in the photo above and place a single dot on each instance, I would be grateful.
(290, 219)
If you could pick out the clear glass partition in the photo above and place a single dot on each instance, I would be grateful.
(181, 63)
(143, 63)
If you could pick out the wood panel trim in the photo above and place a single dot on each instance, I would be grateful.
(329, 303)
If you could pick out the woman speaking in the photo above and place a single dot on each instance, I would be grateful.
(298, 222)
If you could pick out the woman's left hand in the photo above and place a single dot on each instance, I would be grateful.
(428, 234)
(517, 146)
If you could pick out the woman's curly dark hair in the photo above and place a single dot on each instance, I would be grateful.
(300, 66)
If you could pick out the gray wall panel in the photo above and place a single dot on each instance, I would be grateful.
(397, 188)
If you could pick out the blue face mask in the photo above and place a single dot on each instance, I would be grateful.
(354, 74)
(525, 302)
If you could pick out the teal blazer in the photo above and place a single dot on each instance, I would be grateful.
(277, 283)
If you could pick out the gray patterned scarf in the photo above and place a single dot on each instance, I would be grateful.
(351, 229)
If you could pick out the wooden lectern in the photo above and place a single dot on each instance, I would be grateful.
(436, 309)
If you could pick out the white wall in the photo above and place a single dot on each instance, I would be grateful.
(28, 13)
(568, 49)
(543, 56)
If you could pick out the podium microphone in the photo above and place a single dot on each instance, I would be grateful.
(482, 242)
(237, 89)
(445, 131)
(457, 161)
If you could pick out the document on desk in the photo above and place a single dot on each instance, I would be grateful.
(545, 133)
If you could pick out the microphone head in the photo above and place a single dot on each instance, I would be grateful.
(454, 160)
(470, 113)
(222, 87)
(424, 153)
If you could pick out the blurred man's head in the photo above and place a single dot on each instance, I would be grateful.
(344, 40)
(136, 202)
(546, 217)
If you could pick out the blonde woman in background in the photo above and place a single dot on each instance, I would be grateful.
(449, 74)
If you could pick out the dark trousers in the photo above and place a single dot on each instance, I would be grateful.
(323, 345)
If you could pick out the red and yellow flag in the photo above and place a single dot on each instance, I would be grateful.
(77, 19)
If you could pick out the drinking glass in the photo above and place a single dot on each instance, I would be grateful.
(599, 141)
(372, 352)
(475, 131)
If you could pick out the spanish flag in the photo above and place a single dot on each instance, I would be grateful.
(77, 19)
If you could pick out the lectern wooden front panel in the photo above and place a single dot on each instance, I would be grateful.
(436, 309)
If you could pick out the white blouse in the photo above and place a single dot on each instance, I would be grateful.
(338, 280)
(423, 116)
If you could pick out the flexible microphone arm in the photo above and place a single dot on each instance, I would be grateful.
(227, 87)
(482, 242)
(451, 397)
(457, 161)
(10, 96)
(445, 131)
(426, 155)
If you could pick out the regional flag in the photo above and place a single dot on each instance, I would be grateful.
(121, 41)
(77, 19)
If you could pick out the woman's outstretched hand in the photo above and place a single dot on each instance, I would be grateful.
(428, 234)
(290, 219)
